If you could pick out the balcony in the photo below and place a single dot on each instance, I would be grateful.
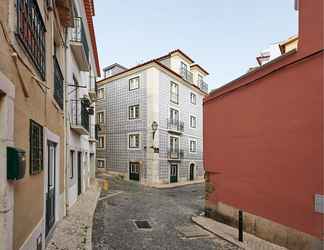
(92, 87)
(175, 154)
(79, 44)
(175, 126)
(58, 83)
(186, 74)
(80, 116)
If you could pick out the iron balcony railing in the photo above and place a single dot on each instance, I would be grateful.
(186, 74)
(79, 35)
(175, 154)
(58, 83)
(175, 125)
(80, 113)
(203, 85)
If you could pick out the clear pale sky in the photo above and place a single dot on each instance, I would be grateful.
(223, 36)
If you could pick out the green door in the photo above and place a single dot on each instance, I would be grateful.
(174, 173)
(134, 171)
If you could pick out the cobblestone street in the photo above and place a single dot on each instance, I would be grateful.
(168, 213)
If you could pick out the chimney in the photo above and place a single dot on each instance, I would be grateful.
(311, 25)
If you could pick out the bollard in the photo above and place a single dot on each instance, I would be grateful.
(240, 224)
(106, 185)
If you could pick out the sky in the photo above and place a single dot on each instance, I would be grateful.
(223, 36)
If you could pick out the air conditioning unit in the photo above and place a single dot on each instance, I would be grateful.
(50, 4)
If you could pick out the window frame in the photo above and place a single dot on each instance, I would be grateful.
(190, 116)
(102, 160)
(133, 112)
(40, 148)
(196, 144)
(172, 94)
(192, 94)
(103, 93)
(103, 115)
(35, 46)
(129, 83)
(139, 140)
(104, 142)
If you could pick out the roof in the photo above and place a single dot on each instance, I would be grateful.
(89, 8)
(114, 65)
(181, 52)
(147, 63)
(201, 68)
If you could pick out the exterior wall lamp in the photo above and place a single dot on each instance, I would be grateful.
(155, 126)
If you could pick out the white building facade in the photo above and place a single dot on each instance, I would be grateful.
(80, 96)
(151, 121)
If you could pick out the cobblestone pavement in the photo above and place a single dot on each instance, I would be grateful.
(168, 212)
(74, 231)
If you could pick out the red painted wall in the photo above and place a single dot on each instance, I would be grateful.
(263, 134)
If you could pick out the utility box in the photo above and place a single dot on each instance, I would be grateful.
(16, 163)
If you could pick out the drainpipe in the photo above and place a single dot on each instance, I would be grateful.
(66, 120)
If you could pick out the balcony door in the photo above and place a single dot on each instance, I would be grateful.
(174, 147)
(50, 195)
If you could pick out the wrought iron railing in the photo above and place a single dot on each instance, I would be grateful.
(79, 35)
(175, 125)
(58, 83)
(186, 74)
(203, 85)
(80, 113)
(31, 33)
(175, 154)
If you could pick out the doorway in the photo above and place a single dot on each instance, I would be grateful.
(174, 173)
(50, 195)
(192, 172)
(79, 173)
(134, 171)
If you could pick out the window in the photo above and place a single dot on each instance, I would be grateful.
(200, 78)
(133, 112)
(31, 33)
(134, 141)
(174, 144)
(193, 146)
(174, 93)
(71, 163)
(184, 67)
(134, 83)
(101, 93)
(36, 148)
(101, 142)
(193, 121)
(101, 163)
(101, 117)
(108, 73)
(193, 98)
(174, 115)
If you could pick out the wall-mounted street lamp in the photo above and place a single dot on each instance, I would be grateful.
(155, 126)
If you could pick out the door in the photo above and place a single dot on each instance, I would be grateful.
(174, 173)
(134, 171)
(50, 196)
(192, 171)
(79, 173)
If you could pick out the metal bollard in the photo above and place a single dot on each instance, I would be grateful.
(240, 224)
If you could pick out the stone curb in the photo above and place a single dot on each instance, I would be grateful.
(195, 219)
(180, 184)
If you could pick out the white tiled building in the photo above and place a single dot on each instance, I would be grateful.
(151, 120)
